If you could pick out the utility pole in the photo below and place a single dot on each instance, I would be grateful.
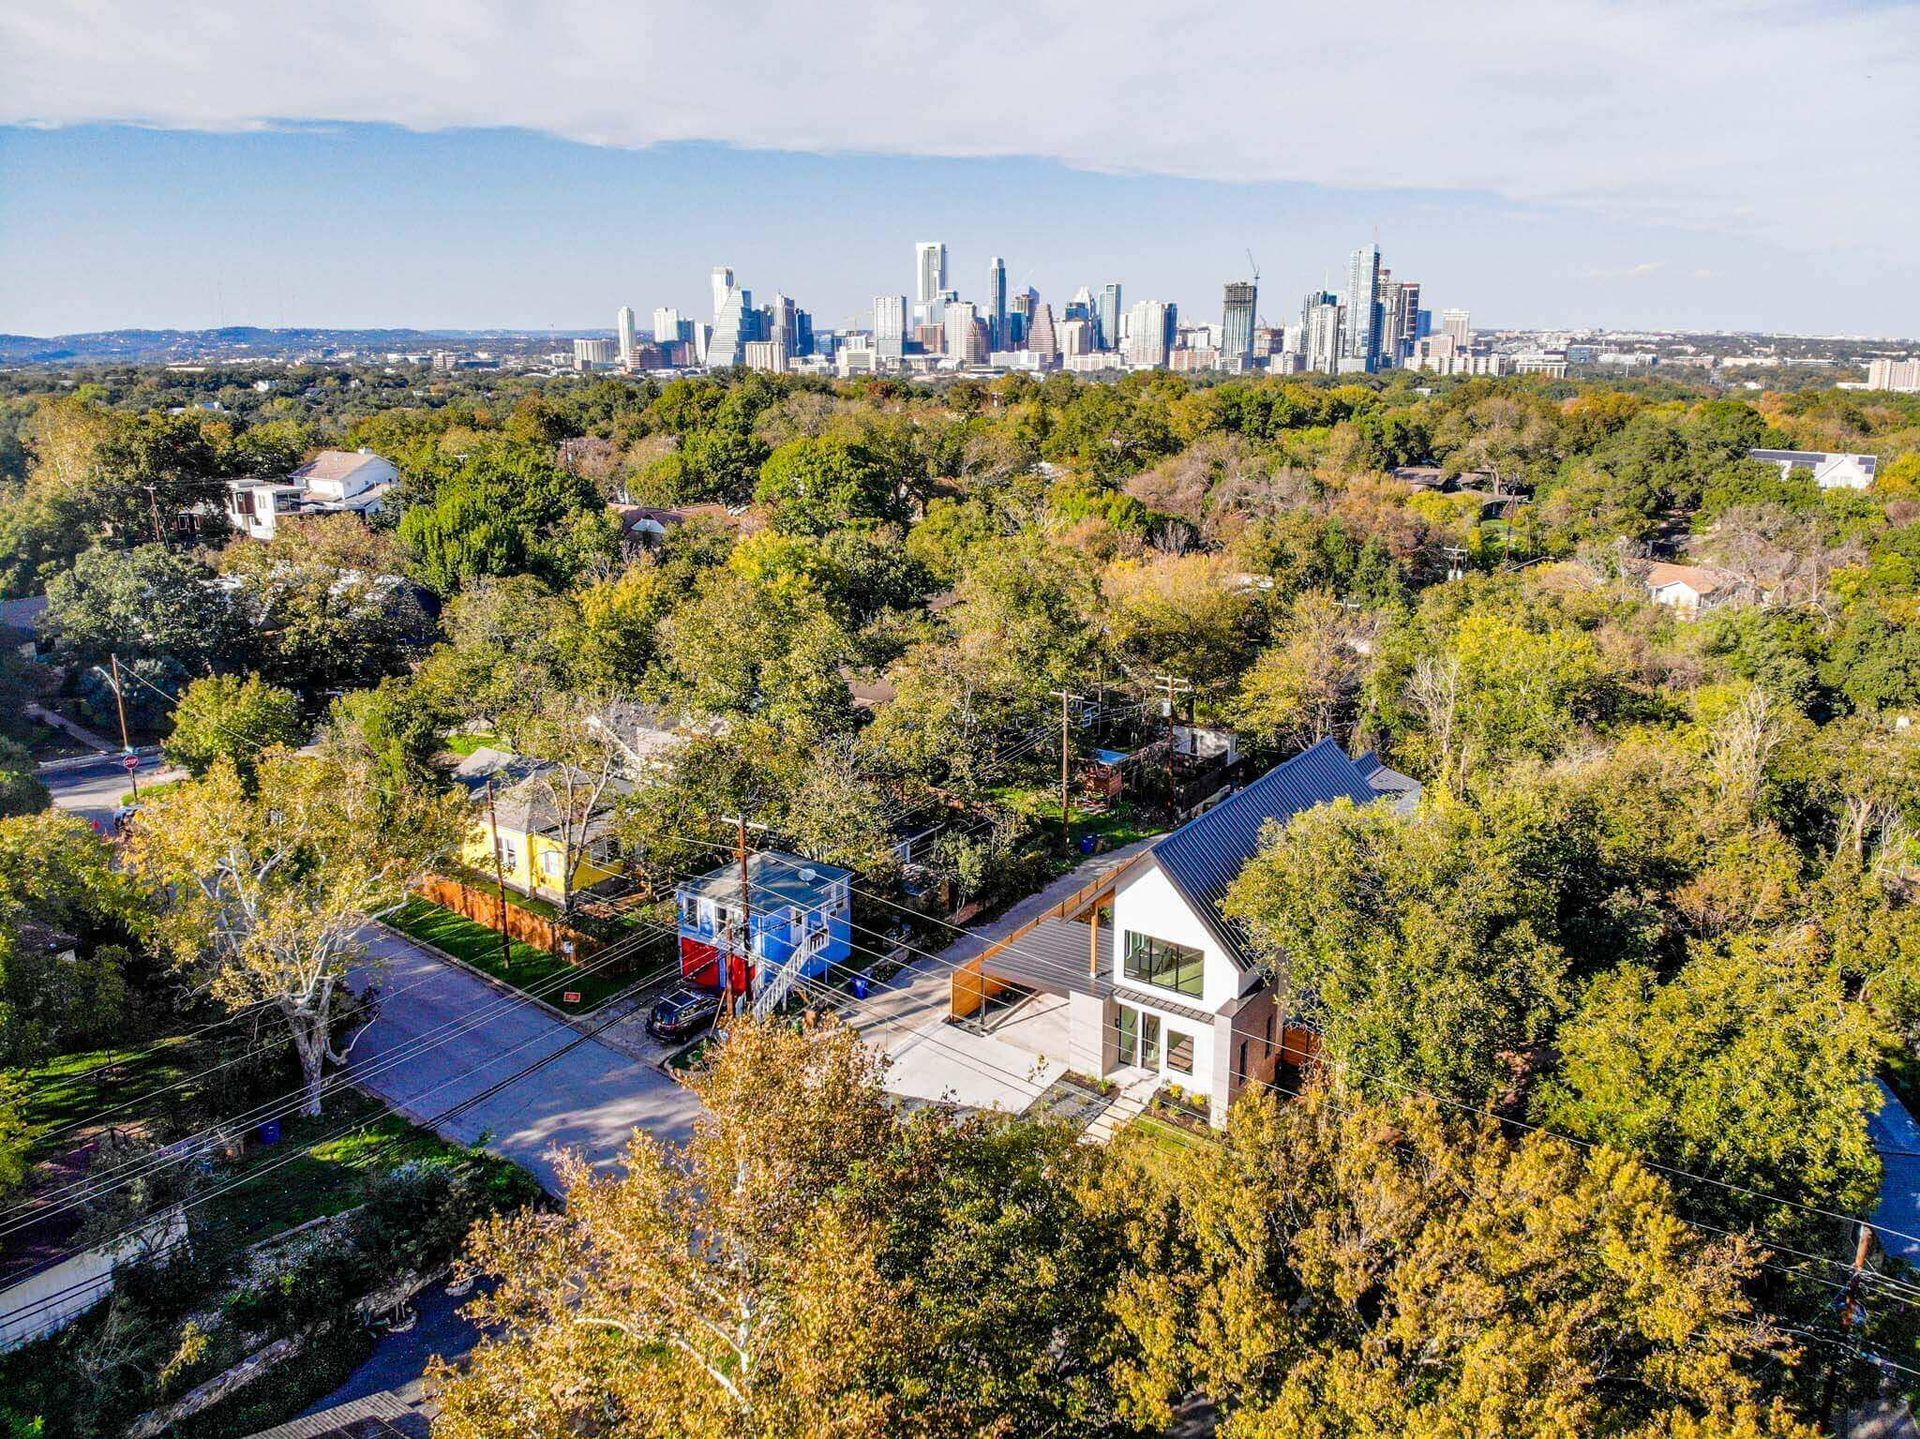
(153, 508)
(126, 745)
(1066, 793)
(1169, 686)
(1853, 1315)
(744, 932)
(500, 879)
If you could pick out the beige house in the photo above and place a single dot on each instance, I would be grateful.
(1695, 589)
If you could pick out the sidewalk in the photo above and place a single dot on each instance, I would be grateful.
(36, 710)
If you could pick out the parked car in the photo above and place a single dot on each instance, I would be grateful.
(686, 1011)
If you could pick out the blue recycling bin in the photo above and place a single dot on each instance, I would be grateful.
(1087, 843)
(861, 988)
(269, 1132)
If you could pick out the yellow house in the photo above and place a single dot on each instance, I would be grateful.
(533, 828)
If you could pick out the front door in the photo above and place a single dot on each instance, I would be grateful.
(1139, 1035)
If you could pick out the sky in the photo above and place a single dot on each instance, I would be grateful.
(481, 163)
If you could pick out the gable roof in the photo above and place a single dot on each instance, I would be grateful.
(335, 465)
(1206, 854)
(1700, 580)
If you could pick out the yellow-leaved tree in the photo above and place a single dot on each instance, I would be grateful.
(263, 892)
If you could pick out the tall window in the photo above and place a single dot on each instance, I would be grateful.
(1162, 963)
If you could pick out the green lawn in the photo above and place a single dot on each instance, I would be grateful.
(533, 971)
(129, 1081)
(1119, 824)
(465, 744)
(289, 1187)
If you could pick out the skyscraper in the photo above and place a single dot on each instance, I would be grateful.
(1083, 307)
(1020, 312)
(722, 287)
(1457, 325)
(732, 328)
(783, 327)
(889, 326)
(930, 269)
(1400, 343)
(997, 301)
(1107, 335)
(1361, 347)
(1151, 327)
(957, 318)
(1236, 325)
(623, 322)
(1041, 338)
(670, 328)
(1320, 330)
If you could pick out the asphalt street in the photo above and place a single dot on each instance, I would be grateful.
(445, 1037)
(93, 790)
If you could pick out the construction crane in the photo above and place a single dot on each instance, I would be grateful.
(1254, 265)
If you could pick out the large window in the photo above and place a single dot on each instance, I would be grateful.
(1139, 1035)
(1165, 964)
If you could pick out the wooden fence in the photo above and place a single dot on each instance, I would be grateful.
(483, 908)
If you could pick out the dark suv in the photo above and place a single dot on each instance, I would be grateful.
(683, 1012)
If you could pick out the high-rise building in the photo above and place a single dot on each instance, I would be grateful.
(930, 270)
(722, 287)
(1076, 337)
(1107, 336)
(1360, 349)
(1399, 340)
(676, 337)
(733, 328)
(997, 301)
(1151, 327)
(1020, 311)
(1320, 330)
(592, 354)
(1041, 339)
(1457, 325)
(782, 327)
(956, 323)
(623, 322)
(1083, 307)
(1236, 324)
(890, 326)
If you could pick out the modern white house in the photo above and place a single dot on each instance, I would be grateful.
(1830, 472)
(332, 482)
(1168, 989)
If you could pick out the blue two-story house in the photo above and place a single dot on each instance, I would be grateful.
(798, 925)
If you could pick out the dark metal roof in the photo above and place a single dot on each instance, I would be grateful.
(1055, 957)
(1206, 854)
(378, 1416)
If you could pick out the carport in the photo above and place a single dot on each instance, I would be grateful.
(1056, 956)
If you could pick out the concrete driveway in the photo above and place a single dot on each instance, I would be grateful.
(422, 1058)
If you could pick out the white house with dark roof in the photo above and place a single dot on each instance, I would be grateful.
(1171, 988)
(332, 482)
(1830, 472)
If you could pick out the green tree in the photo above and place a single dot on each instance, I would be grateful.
(226, 717)
(21, 789)
(147, 603)
(1424, 945)
(1752, 1062)
(819, 485)
(265, 890)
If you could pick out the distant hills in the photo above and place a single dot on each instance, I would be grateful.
(151, 347)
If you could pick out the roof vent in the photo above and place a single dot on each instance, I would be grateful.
(809, 875)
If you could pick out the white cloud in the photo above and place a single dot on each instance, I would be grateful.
(1786, 119)
(1644, 270)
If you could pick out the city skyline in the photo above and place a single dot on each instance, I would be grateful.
(1593, 164)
